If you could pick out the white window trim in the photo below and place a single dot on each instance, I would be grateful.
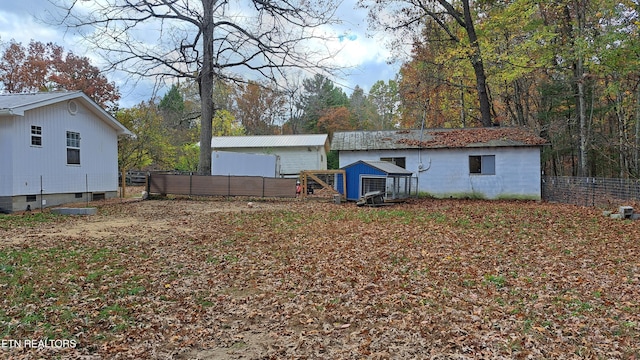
(35, 135)
(72, 147)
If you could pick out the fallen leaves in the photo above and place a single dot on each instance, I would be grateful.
(464, 137)
(430, 278)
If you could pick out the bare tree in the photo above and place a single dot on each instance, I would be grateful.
(204, 40)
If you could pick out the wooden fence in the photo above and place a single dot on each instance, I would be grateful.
(215, 185)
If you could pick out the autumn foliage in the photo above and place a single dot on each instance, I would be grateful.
(219, 279)
(335, 119)
(46, 67)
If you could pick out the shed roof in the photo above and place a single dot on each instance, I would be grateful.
(384, 166)
(435, 138)
(269, 141)
(17, 104)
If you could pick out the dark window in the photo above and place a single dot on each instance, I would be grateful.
(78, 195)
(31, 198)
(399, 161)
(99, 196)
(36, 135)
(73, 148)
(482, 164)
(73, 156)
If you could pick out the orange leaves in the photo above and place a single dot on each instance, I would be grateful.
(41, 67)
(469, 136)
(334, 119)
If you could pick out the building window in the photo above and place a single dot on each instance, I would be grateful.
(78, 195)
(31, 198)
(73, 148)
(482, 164)
(36, 135)
(397, 161)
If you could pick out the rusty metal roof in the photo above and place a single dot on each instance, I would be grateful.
(435, 138)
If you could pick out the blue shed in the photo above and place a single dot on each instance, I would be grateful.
(364, 176)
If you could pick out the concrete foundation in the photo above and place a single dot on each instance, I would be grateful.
(75, 211)
(11, 204)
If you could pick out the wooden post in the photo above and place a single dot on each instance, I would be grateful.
(303, 184)
(306, 174)
(124, 183)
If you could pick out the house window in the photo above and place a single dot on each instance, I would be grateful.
(73, 148)
(482, 164)
(397, 161)
(31, 198)
(36, 135)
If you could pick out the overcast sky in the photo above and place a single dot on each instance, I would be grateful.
(19, 21)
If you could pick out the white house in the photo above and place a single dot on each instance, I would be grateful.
(56, 148)
(471, 162)
(296, 152)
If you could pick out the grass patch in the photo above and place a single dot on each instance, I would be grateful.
(12, 221)
(498, 281)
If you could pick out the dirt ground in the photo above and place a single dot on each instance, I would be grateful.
(219, 278)
(156, 215)
(120, 218)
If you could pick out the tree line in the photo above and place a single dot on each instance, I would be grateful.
(167, 129)
(567, 70)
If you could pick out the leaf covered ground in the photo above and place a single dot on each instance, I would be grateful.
(219, 279)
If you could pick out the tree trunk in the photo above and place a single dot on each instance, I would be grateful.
(622, 136)
(478, 67)
(205, 82)
(582, 114)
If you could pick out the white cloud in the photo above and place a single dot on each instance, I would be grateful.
(24, 28)
(363, 57)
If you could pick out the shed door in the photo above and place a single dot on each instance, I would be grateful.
(372, 183)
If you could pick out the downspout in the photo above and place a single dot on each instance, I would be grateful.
(421, 167)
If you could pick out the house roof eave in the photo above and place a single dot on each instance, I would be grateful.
(37, 100)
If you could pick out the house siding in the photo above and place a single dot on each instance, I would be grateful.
(47, 164)
(517, 172)
(6, 157)
(43, 171)
(292, 159)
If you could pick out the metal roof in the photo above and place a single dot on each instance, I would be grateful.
(17, 104)
(385, 166)
(435, 138)
(269, 141)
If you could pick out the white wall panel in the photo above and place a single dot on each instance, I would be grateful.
(517, 170)
(293, 159)
(97, 170)
(6, 155)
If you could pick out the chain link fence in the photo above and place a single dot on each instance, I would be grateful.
(591, 191)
